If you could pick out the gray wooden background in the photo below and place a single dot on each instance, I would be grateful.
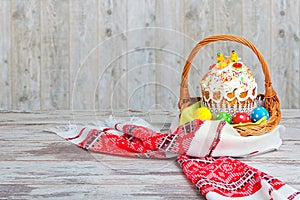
(105, 54)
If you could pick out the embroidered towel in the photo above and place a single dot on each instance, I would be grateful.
(203, 148)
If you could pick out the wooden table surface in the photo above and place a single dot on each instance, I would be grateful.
(35, 164)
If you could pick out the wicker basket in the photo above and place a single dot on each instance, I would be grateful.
(272, 103)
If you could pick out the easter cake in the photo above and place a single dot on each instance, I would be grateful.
(229, 86)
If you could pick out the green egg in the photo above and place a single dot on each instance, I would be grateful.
(224, 116)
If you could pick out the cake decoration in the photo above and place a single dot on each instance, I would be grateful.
(237, 65)
(229, 86)
(234, 57)
(221, 61)
(219, 57)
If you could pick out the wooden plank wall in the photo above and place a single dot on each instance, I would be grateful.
(112, 54)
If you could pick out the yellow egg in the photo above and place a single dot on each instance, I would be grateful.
(202, 114)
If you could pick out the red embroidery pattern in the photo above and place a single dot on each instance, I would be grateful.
(225, 176)
(140, 141)
(293, 196)
(217, 138)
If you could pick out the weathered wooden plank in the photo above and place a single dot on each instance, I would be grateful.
(46, 56)
(288, 173)
(84, 67)
(43, 150)
(121, 191)
(149, 172)
(5, 58)
(111, 90)
(141, 19)
(289, 116)
(199, 24)
(33, 132)
(55, 74)
(91, 172)
(63, 150)
(43, 165)
(227, 15)
(285, 51)
(256, 18)
(26, 133)
(30, 126)
(64, 117)
(169, 52)
(25, 54)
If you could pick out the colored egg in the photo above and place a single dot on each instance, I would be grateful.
(224, 116)
(258, 113)
(240, 118)
(202, 114)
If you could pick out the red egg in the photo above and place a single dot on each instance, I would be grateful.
(240, 118)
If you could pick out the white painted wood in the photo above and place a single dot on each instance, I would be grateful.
(141, 62)
(253, 15)
(169, 52)
(111, 90)
(198, 24)
(25, 54)
(95, 191)
(227, 20)
(57, 148)
(83, 68)
(55, 75)
(285, 51)
(38, 164)
(5, 61)
(43, 43)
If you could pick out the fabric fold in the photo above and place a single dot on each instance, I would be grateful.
(227, 178)
(205, 151)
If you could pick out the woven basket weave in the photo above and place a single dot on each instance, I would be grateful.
(272, 103)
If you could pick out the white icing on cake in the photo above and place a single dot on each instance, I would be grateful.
(228, 80)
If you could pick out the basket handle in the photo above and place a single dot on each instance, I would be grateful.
(184, 91)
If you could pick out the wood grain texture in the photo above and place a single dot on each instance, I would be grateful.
(25, 54)
(83, 39)
(252, 17)
(227, 20)
(55, 76)
(141, 54)
(201, 12)
(169, 52)
(35, 164)
(111, 88)
(109, 54)
(5, 61)
(285, 50)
